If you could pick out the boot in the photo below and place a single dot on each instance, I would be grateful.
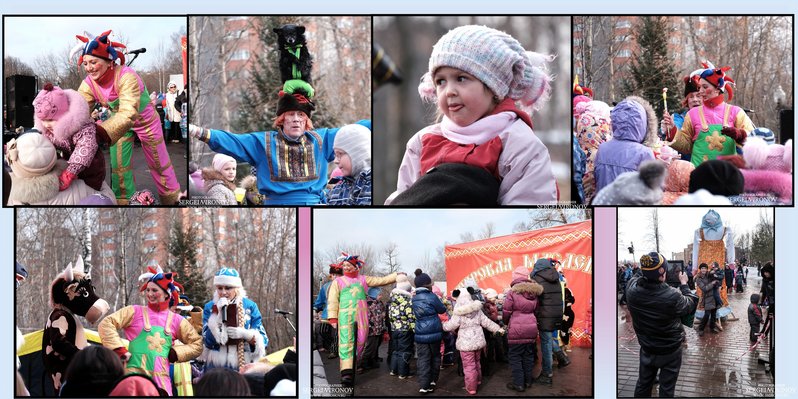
(544, 379)
(562, 359)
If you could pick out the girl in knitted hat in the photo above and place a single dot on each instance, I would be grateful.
(476, 76)
(119, 88)
(63, 118)
(152, 330)
(233, 329)
(220, 179)
(347, 311)
(352, 149)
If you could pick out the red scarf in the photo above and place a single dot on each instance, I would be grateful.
(714, 102)
(158, 307)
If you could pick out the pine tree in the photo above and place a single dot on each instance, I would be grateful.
(652, 68)
(259, 99)
(183, 248)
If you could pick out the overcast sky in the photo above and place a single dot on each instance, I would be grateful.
(416, 231)
(27, 38)
(678, 226)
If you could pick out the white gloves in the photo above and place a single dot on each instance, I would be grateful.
(222, 302)
(195, 131)
(241, 333)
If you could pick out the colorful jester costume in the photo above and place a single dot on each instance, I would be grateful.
(347, 303)
(132, 114)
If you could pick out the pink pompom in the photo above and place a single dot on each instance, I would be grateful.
(755, 152)
(426, 89)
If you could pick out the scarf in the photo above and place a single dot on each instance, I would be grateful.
(483, 130)
(706, 225)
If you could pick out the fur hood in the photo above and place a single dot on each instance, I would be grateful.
(249, 183)
(527, 287)
(39, 189)
(465, 305)
(77, 116)
(651, 121)
(213, 177)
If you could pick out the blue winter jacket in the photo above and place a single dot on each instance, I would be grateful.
(321, 301)
(426, 307)
(625, 152)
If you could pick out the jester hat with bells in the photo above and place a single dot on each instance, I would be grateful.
(72, 290)
(99, 46)
(165, 281)
(715, 76)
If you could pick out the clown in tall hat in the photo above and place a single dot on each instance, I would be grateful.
(347, 311)
(120, 89)
(152, 330)
(233, 329)
(715, 128)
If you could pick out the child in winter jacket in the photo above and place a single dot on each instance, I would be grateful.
(376, 328)
(426, 308)
(754, 317)
(403, 322)
(468, 320)
(518, 314)
(63, 118)
(353, 157)
(220, 179)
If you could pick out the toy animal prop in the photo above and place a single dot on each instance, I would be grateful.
(71, 294)
(295, 59)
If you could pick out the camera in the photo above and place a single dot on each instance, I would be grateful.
(672, 270)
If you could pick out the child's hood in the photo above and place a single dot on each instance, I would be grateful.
(213, 177)
(77, 116)
(633, 119)
(466, 305)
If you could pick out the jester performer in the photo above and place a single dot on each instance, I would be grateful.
(714, 242)
(152, 330)
(119, 88)
(347, 311)
(714, 128)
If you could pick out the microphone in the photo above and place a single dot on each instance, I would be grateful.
(138, 51)
(223, 310)
(282, 312)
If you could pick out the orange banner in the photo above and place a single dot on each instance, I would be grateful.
(183, 48)
(491, 263)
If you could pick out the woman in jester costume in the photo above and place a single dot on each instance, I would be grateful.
(714, 242)
(716, 127)
(347, 311)
(152, 330)
(119, 88)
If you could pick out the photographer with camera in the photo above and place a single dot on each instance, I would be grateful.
(656, 310)
(709, 282)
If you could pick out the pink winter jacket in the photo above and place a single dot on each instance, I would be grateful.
(469, 320)
(524, 166)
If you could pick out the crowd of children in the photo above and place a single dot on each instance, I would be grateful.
(485, 327)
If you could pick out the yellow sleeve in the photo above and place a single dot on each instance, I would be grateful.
(85, 91)
(742, 121)
(193, 342)
(380, 281)
(332, 300)
(128, 113)
(111, 324)
(683, 141)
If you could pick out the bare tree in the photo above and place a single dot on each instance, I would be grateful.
(390, 255)
(654, 234)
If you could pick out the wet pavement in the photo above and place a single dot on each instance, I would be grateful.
(141, 173)
(573, 380)
(715, 365)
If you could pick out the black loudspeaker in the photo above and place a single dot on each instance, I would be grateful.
(20, 92)
(786, 125)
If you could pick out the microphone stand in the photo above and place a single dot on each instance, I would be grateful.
(129, 63)
(285, 315)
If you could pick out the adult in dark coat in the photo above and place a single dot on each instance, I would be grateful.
(656, 310)
(518, 313)
(707, 284)
(549, 316)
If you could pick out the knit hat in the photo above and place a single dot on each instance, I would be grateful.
(451, 184)
(403, 283)
(227, 276)
(690, 86)
(520, 272)
(718, 177)
(763, 133)
(374, 292)
(335, 268)
(643, 187)
(101, 46)
(495, 58)
(31, 155)
(593, 125)
(51, 103)
(294, 102)
(165, 281)
(715, 76)
(580, 99)
(219, 160)
(422, 279)
(355, 140)
(490, 293)
(761, 156)
(650, 265)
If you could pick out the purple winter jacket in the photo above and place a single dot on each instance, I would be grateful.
(631, 124)
(519, 311)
